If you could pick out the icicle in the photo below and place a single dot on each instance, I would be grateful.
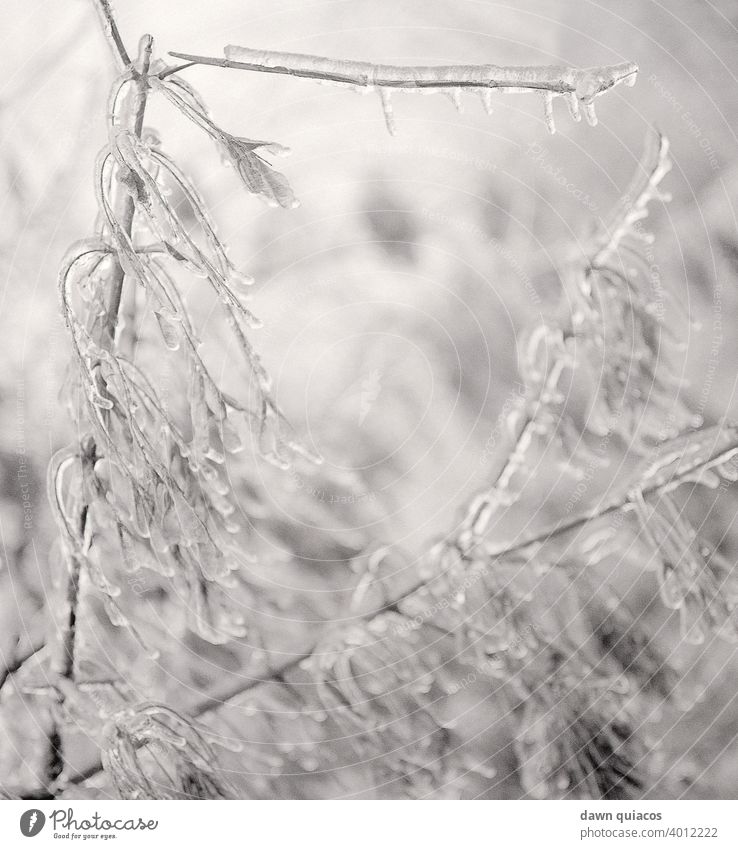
(99, 401)
(590, 114)
(454, 95)
(389, 115)
(548, 111)
(168, 330)
(486, 95)
(100, 581)
(573, 104)
(238, 280)
(115, 614)
(231, 437)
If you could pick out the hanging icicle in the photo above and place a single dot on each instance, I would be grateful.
(389, 116)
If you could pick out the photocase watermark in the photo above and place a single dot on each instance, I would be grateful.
(449, 154)
(716, 343)
(491, 666)
(694, 129)
(24, 477)
(512, 403)
(541, 157)
(301, 295)
(442, 603)
(594, 463)
(371, 388)
(499, 247)
(325, 496)
(67, 826)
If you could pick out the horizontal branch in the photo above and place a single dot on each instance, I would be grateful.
(585, 83)
(621, 503)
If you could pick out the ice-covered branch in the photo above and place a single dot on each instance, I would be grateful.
(118, 274)
(65, 658)
(644, 188)
(678, 462)
(653, 167)
(110, 28)
(579, 86)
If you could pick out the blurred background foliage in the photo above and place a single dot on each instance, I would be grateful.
(393, 298)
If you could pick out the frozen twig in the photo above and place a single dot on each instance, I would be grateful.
(110, 28)
(64, 662)
(653, 167)
(118, 275)
(579, 86)
(586, 83)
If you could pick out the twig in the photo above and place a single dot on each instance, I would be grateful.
(110, 28)
(15, 665)
(65, 660)
(655, 164)
(484, 504)
(129, 209)
(557, 79)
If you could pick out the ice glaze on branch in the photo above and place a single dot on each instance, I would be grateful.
(644, 188)
(577, 85)
(110, 28)
(677, 463)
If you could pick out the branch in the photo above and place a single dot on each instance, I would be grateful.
(577, 85)
(685, 472)
(276, 674)
(655, 164)
(110, 28)
(65, 660)
(63, 664)
(586, 83)
(485, 504)
(13, 667)
(129, 209)
(622, 502)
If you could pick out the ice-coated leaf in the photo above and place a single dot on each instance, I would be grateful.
(169, 330)
(257, 174)
(247, 155)
(152, 750)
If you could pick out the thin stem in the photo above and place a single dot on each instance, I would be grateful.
(484, 505)
(16, 664)
(110, 28)
(176, 69)
(554, 78)
(65, 661)
(655, 164)
(129, 208)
